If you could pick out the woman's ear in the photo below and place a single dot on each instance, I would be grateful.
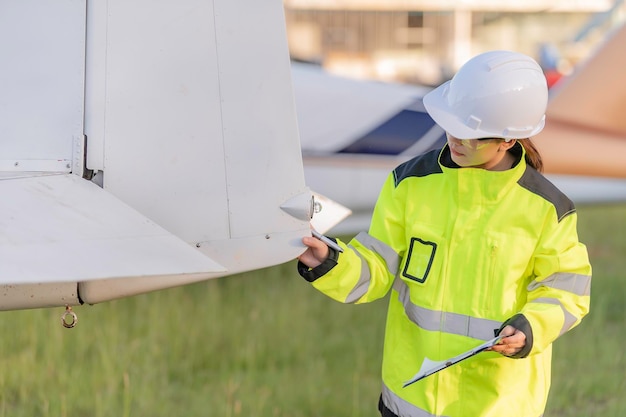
(505, 146)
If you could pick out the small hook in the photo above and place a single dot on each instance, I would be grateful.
(69, 312)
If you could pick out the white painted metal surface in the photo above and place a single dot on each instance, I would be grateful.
(162, 133)
(259, 116)
(16, 297)
(61, 228)
(182, 105)
(189, 118)
(193, 122)
(65, 221)
(41, 83)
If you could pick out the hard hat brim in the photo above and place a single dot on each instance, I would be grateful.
(437, 107)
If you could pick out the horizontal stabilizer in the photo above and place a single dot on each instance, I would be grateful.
(61, 228)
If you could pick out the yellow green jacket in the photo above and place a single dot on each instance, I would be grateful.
(464, 250)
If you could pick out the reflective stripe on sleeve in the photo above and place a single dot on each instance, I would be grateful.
(361, 287)
(391, 258)
(575, 283)
(441, 321)
(568, 318)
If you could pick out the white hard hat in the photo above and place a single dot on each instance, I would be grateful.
(500, 94)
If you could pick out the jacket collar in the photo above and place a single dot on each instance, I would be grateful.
(481, 185)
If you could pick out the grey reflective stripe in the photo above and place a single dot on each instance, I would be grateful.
(390, 257)
(568, 318)
(402, 408)
(441, 321)
(361, 287)
(575, 283)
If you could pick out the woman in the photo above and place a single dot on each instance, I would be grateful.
(472, 241)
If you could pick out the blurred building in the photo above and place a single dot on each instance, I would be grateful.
(425, 41)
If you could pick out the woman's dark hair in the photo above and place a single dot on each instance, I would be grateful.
(533, 158)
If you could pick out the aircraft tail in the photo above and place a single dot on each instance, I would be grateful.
(197, 151)
(584, 115)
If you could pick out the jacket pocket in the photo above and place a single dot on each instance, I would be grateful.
(420, 258)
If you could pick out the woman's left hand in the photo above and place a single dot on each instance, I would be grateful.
(512, 342)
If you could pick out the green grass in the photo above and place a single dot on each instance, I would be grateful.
(267, 344)
(589, 367)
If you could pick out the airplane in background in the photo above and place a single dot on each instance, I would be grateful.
(354, 132)
(140, 151)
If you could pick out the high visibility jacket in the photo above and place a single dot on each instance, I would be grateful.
(462, 251)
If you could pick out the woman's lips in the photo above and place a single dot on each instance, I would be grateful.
(455, 152)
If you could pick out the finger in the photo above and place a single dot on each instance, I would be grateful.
(505, 350)
(517, 339)
(309, 259)
(511, 350)
(319, 247)
(312, 242)
(507, 331)
(499, 348)
(316, 254)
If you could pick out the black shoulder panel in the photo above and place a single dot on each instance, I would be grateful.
(420, 166)
(536, 183)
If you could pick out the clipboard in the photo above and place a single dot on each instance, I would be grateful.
(430, 367)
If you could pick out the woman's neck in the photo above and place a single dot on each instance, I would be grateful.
(502, 164)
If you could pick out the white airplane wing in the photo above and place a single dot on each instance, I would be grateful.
(334, 110)
(58, 230)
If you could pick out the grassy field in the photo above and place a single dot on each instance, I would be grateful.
(266, 344)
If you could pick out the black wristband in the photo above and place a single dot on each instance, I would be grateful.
(311, 274)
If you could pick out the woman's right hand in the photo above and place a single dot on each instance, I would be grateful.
(316, 252)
